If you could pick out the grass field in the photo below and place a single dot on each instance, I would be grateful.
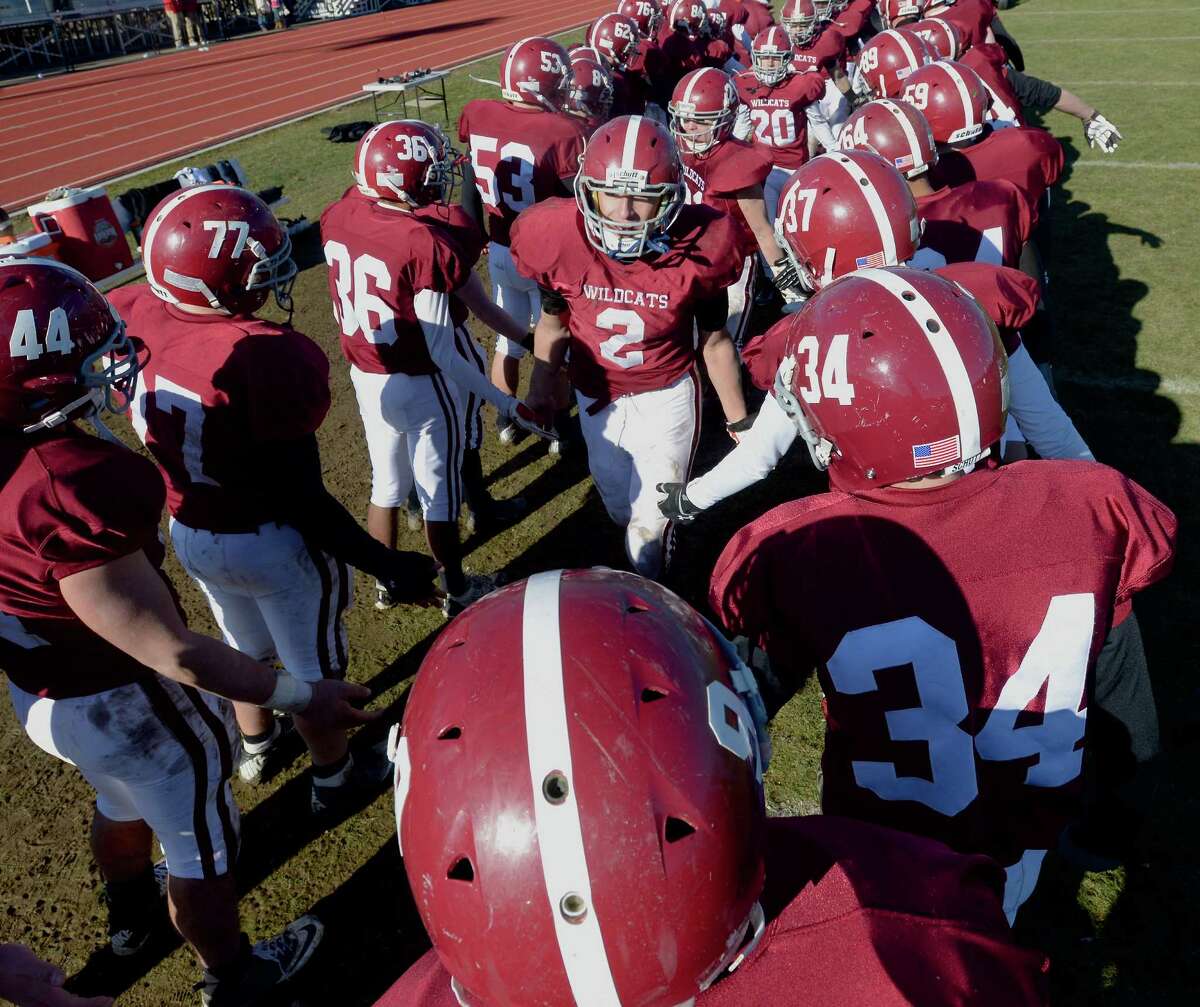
(1124, 294)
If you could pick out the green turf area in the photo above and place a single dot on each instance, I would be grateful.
(1124, 295)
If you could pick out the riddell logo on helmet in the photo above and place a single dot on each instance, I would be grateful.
(631, 177)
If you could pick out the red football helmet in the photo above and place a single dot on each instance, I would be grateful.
(590, 95)
(952, 97)
(688, 16)
(630, 156)
(616, 38)
(888, 59)
(723, 15)
(894, 130)
(67, 348)
(771, 45)
(897, 12)
(913, 379)
(644, 13)
(944, 37)
(218, 246)
(536, 71)
(582, 823)
(582, 51)
(408, 160)
(703, 108)
(845, 211)
(801, 20)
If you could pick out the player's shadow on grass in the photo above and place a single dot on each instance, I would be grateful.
(1144, 951)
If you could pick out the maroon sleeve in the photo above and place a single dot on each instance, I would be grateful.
(1150, 528)
(744, 166)
(287, 385)
(425, 984)
(435, 262)
(535, 251)
(464, 124)
(99, 510)
(720, 251)
(816, 86)
(763, 354)
(1009, 296)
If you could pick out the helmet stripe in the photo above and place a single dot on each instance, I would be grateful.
(363, 146)
(908, 50)
(950, 36)
(629, 154)
(948, 357)
(687, 95)
(887, 239)
(963, 93)
(910, 136)
(559, 831)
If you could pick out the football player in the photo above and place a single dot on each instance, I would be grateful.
(980, 648)
(629, 272)
(401, 278)
(523, 149)
(685, 43)
(988, 221)
(644, 830)
(781, 103)
(818, 47)
(887, 60)
(618, 42)
(852, 211)
(102, 670)
(726, 174)
(590, 94)
(954, 101)
(229, 406)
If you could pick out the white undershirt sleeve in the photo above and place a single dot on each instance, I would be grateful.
(754, 458)
(1040, 419)
(433, 312)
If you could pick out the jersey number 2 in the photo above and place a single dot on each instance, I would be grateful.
(1056, 661)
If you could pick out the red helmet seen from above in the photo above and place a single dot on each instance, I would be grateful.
(887, 60)
(844, 211)
(67, 348)
(590, 95)
(631, 156)
(891, 375)
(897, 12)
(583, 823)
(894, 130)
(944, 37)
(407, 160)
(689, 17)
(644, 13)
(952, 97)
(616, 38)
(703, 108)
(771, 55)
(536, 71)
(218, 246)
(801, 20)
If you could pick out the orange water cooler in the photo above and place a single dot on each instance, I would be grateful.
(85, 230)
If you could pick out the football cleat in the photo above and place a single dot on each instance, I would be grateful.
(477, 585)
(259, 762)
(365, 773)
(271, 961)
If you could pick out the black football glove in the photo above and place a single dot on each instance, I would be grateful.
(739, 427)
(410, 578)
(785, 275)
(675, 505)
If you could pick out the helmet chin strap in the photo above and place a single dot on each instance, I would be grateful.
(92, 400)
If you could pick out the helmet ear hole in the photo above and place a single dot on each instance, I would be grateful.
(461, 870)
(676, 829)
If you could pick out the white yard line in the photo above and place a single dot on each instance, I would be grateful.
(1163, 165)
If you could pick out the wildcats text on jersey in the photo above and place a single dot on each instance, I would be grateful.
(621, 295)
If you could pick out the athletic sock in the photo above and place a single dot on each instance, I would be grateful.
(255, 743)
(333, 774)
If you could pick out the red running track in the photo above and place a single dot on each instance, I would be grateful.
(96, 125)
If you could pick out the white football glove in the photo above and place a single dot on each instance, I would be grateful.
(1102, 133)
(743, 125)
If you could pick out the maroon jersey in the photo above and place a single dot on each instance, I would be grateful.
(972, 17)
(990, 61)
(519, 155)
(69, 502)
(778, 114)
(826, 51)
(1008, 296)
(379, 258)
(630, 91)
(631, 322)
(716, 177)
(679, 54)
(1028, 157)
(758, 17)
(857, 16)
(856, 914)
(955, 660)
(214, 392)
(974, 222)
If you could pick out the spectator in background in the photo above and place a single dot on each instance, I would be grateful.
(266, 17)
(186, 23)
(281, 14)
